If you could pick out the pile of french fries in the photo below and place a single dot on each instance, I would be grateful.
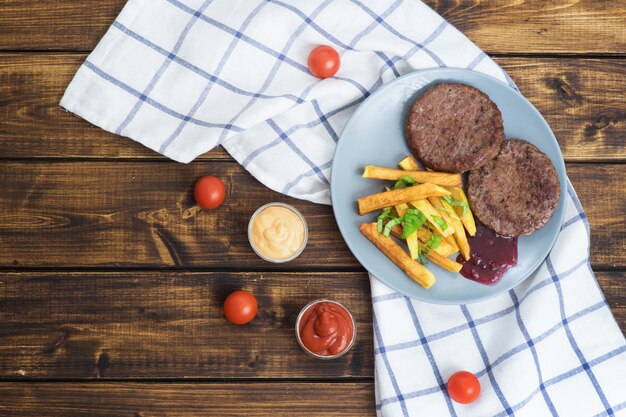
(435, 202)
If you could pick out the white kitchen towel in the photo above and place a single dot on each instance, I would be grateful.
(182, 76)
(549, 347)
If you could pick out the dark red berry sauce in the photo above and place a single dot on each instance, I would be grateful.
(491, 255)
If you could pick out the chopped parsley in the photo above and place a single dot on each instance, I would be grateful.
(441, 222)
(448, 199)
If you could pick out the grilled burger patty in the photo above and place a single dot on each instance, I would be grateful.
(517, 192)
(454, 128)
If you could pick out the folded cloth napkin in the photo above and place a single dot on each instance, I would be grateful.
(182, 76)
(549, 347)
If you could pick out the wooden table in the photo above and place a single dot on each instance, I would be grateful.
(112, 281)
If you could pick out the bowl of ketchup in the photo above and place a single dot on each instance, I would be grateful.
(325, 329)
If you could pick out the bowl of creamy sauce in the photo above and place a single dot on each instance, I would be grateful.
(277, 232)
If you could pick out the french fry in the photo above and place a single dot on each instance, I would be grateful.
(425, 206)
(411, 240)
(438, 178)
(429, 211)
(432, 254)
(459, 231)
(460, 240)
(395, 197)
(401, 209)
(436, 203)
(416, 271)
(423, 235)
(396, 231)
(409, 164)
(450, 240)
(444, 248)
(467, 219)
(443, 261)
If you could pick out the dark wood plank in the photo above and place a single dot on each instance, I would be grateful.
(171, 325)
(534, 26)
(582, 100)
(55, 24)
(143, 215)
(601, 191)
(187, 400)
(125, 214)
(32, 124)
(539, 26)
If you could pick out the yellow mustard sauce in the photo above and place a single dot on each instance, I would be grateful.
(277, 232)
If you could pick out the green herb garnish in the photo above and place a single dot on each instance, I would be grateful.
(441, 222)
(432, 243)
(420, 256)
(399, 184)
(454, 216)
(391, 223)
(412, 220)
(448, 199)
(404, 182)
(382, 217)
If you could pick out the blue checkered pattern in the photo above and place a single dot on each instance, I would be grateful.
(549, 347)
(182, 76)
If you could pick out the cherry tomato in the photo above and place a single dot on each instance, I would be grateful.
(209, 192)
(240, 307)
(323, 61)
(463, 387)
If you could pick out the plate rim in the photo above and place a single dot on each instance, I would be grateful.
(561, 161)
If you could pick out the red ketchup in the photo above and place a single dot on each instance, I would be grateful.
(326, 329)
(491, 256)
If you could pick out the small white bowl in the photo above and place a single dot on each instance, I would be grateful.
(315, 355)
(304, 240)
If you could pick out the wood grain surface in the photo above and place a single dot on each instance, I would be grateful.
(112, 280)
(155, 325)
(539, 26)
(31, 86)
(582, 99)
(110, 399)
(124, 214)
(497, 26)
(171, 325)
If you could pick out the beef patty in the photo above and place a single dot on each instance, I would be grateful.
(517, 192)
(454, 128)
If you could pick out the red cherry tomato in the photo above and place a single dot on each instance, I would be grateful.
(240, 307)
(463, 387)
(323, 61)
(209, 192)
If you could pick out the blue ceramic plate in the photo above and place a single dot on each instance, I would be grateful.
(375, 136)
